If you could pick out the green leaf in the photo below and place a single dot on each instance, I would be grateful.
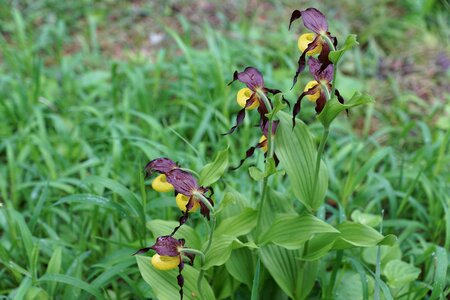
(333, 107)
(294, 277)
(292, 231)
(350, 286)
(388, 253)
(297, 152)
(90, 199)
(366, 219)
(241, 265)
(399, 273)
(256, 173)
(221, 248)
(440, 278)
(349, 43)
(238, 225)
(213, 171)
(36, 293)
(72, 281)
(319, 246)
(359, 235)
(164, 283)
(54, 267)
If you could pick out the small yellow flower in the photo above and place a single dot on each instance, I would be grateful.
(262, 139)
(165, 263)
(160, 184)
(183, 200)
(243, 95)
(316, 95)
(303, 42)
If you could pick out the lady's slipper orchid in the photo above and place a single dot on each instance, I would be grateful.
(184, 184)
(318, 90)
(169, 256)
(313, 43)
(254, 81)
(182, 202)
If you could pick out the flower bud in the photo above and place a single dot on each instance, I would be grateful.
(243, 95)
(160, 184)
(165, 263)
(303, 42)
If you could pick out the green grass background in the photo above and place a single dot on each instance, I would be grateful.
(92, 90)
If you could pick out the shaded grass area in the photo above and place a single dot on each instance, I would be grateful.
(91, 91)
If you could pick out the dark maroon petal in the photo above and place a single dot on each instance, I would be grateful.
(235, 77)
(182, 181)
(315, 67)
(340, 99)
(182, 220)
(191, 257)
(241, 114)
(204, 210)
(275, 158)
(167, 246)
(323, 58)
(248, 154)
(142, 251)
(252, 78)
(160, 165)
(265, 129)
(272, 91)
(297, 105)
(296, 14)
(320, 103)
(314, 20)
(180, 278)
(302, 60)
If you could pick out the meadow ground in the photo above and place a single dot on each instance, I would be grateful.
(90, 91)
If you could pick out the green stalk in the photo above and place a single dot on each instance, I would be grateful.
(270, 151)
(210, 238)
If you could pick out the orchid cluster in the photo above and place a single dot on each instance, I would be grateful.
(292, 142)
(189, 197)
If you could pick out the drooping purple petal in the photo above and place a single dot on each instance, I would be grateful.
(314, 20)
(167, 246)
(320, 102)
(182, 181)
(302, 60)
(241, 114)
(315, 67)
(161, 165)
(323, 57)
(204, 210)
(297, 105)
(251, 77)
(340, 99)
(296, 14)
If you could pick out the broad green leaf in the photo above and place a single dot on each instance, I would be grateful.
(319, 246)
(164, 283)
(241, 266)
(221, 249)
(256, 173)
(440, 278)
(399, 273)
(333, 107)
(359, 235)
(350, 286)
(213, 171)
(388, 253)
(36, 293)
(163, 227)
(294, 277)
(292, 231)
(297, 152)
(349, 43)
(72, 281)
(366, 219)
(238, 225)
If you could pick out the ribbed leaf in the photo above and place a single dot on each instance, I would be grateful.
(359, 235)
(334, 107)
(213, 171)
(297, 152)
(221, 249)
(164, 283)
(292, 231)
(440, 279)
(238, 225)
(241, 265)
(163, 227)
(294, 277)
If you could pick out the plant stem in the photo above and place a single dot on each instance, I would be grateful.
(211, 232)
(332, 48)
